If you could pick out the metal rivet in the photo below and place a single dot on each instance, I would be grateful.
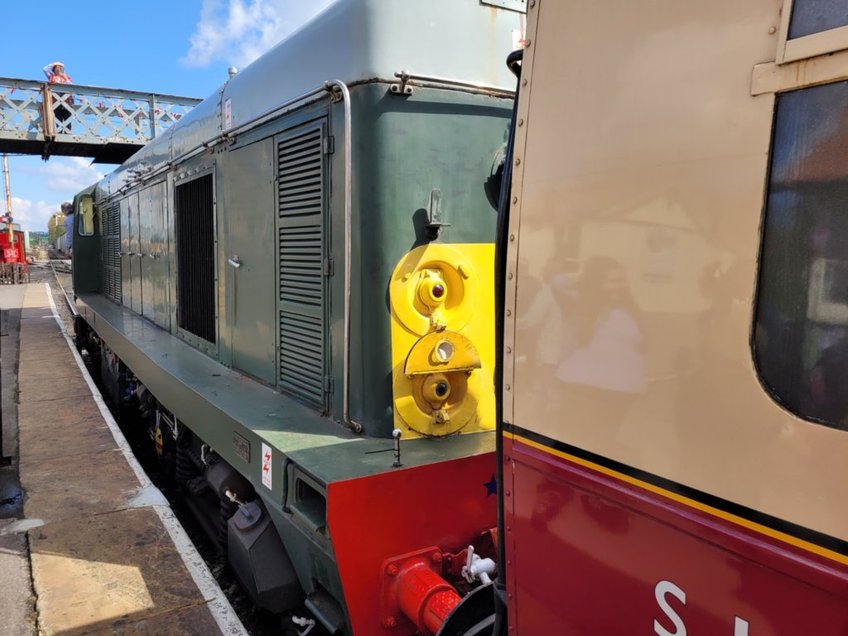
(524, 82)
(520, 122)
(772, 30)
(507, 387)
(527, 44)
(509, 276)
(509, 312)
(518, 161)
(515, 199)
(509, 350)
(512, 237)
(532, 3)
(506, 457)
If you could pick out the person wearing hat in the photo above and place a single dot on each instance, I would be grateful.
(68, 210)
(55, 72)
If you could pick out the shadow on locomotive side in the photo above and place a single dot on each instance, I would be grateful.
(296, 283)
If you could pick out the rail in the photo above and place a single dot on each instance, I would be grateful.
(65, 269)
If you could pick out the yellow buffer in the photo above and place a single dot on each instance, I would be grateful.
(443, 340)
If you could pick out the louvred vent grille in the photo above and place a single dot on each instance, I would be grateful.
(301, 183)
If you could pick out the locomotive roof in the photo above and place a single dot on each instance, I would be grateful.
(352, 41)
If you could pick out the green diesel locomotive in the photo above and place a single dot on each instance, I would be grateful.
(295, 282)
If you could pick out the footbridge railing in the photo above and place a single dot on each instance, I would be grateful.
(68, 119)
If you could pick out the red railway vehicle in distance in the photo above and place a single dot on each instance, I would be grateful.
(14, 267)
(674, 419)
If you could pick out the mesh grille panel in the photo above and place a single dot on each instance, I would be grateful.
(110, 253)
(195, 257)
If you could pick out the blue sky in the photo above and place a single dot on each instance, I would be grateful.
(180, 47)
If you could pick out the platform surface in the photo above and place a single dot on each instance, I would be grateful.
(96, 549)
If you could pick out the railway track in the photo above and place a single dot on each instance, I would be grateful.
(64, 267)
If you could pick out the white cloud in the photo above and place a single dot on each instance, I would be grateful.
(238, 31)
(68, 176)
(33, 215)
(45, 186)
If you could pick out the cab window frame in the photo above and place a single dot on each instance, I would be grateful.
(86, 216)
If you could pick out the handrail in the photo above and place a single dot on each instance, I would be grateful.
(406, 78)
(84, 89)
(348, 230)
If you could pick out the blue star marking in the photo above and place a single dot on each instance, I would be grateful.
(491, 486)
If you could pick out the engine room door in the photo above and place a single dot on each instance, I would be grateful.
(154, 258)
(146, 259)
(249, 235)
(131, 253)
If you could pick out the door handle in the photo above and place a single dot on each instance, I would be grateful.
(234, 261)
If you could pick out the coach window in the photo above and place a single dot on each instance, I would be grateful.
(813, 27)
(801, 331)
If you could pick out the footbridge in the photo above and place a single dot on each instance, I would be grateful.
(106, 124)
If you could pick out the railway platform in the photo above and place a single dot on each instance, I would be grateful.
(88, 545)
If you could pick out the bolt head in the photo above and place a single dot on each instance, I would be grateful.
(391, 569)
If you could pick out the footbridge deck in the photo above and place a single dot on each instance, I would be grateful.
(106, 124)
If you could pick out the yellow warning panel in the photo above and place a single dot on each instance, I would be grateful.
(443, 340)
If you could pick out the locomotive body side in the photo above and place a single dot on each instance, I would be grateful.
(655, 460)
(215, 287)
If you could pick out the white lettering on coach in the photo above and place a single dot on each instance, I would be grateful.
(661, 592)
(662, 589)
